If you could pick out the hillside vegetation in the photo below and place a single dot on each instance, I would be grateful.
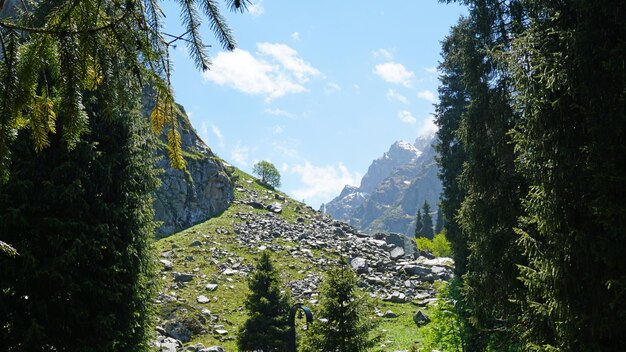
(204, 268)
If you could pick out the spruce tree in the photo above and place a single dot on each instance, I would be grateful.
(82, 220)
(427, 222)
(267, 326)
(418, 224)
(344, 321)
(439, 222)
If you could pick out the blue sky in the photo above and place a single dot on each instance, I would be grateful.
(318, 88)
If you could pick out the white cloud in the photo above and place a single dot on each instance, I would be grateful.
(332, 87)
(284, 168)
(279, 112)
(393, 72)
(218, 133)
(427, 95)
(240, 154)
(274, 72)
(386, 54)
(428, 127)
(286, 147)
(393, 95)
(256, 9)
(431, 70)
(277, 129)
(288, 57)
(406, 117)
(295, 36)
(321, 183)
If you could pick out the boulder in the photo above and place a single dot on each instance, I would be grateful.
(182, 277)
(275, 207)
(178, 330)
(389, 314)
(413, 269)
(397, 253)
(211, 287)
(420, 318)
(212, 349)
(359, 265)
(203, 299)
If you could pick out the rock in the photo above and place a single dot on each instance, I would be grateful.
(359, 265)
(396, 297)
(420, 318)
(416, 270)
(221, 332)
(390, 314)
(230, 272)
(397, 253)
(169, 345)
(182, 277)
(167, 265)
(256, 205)
(212, 349)
(195, 244)
(203, 299)
(178, 331)
(275, 207)
(211, 287)
(195, 195)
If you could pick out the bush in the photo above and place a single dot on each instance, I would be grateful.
(439, 246)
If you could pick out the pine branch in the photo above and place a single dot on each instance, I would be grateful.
(191, 20)
(218, 24)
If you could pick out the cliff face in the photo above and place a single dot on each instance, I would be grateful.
(395, 186)
(197, 194)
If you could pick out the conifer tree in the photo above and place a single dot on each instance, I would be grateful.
(83, 222)
(427, 222)
(439, 222)
(344, 321)
(418, 223)
(267, 326)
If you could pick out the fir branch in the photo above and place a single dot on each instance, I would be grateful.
(191, 20)
(218, 24)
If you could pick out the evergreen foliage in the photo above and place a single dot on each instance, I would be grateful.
(82, 222)
(267, 172)
(418, 224)
(427, 222)
(347, 324)
(439, 222)
(267, 327)
(532, 158)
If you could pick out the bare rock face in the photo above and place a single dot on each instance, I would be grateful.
(188, 197)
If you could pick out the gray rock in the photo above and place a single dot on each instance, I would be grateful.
(275, 207)
(167, 264)
(396, 297)
(221, 332)
(203, 299)
(256, 205)
(390, 314)
(416, 270)
(169, 345)
(420, 318)
(211, 287)
(197, 194)
(212, 349)
(183, 277)
(178, 331)
(195, 244)
(397, 253)
(359, 265)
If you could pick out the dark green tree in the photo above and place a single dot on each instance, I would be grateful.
(569, 72)
(427, 222)
(439, 222)
(348, 324)
(267, 172)
(418, 223)
(82, 222)
(267, 326)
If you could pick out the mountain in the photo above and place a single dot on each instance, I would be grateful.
(393, 189)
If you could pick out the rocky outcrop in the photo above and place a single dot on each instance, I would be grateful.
(392, 190)
(188, 197)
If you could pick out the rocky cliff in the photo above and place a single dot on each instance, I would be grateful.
(392, 190)
(189, 197)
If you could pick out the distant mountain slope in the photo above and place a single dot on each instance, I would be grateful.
(392, 190)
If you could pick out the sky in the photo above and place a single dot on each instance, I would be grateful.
(319, 88)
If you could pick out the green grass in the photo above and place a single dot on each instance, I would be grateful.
(226, 301)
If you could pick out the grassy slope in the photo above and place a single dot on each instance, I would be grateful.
(220, 244)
